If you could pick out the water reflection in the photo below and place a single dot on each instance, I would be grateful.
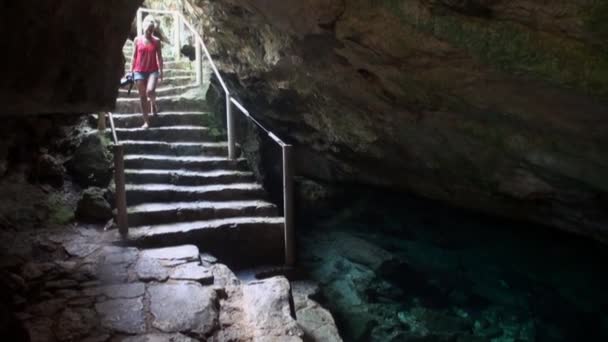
(397, 269)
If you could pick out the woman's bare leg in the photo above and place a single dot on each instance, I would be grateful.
(143, 100)
(151, 92)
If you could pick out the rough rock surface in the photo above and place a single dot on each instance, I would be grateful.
(48, 170)
(36, 191)
(268, 309)
(62, 57)
(493, 105)
(70, 284)
(92, 163)
(93, 207)
(184, 307)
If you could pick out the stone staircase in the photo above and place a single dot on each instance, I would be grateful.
(181, 187)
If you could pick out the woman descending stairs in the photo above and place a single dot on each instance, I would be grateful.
(181, 186)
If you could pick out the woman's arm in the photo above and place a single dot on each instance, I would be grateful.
(159, 59)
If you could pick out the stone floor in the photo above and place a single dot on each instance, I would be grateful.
(71, 285)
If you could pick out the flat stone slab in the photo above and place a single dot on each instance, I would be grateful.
(266, 304)
(112, 274)
(75, 324)
(193, 271)
(223, 276)
(132, 290)
(160, 338)
(186, 252)
(183, 307)
(79, 248)
(148, 269)
(121, 256)
(123, 315)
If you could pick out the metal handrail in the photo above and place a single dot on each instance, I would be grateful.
(119, 181)
(286, 148)
(114, 136)
(246, 113)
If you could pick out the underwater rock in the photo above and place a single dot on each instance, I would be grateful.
(424, 322)
(362, 252)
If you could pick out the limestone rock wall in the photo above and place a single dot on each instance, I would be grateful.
(494, 105)
(62, 56)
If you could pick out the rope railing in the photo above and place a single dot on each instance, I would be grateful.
(285, 148)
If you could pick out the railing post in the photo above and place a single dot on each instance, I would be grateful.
(230, 128)
(140, 22)
(199, 64)
(290, 249)
(121, 194)
(177, 27)
(101, 121)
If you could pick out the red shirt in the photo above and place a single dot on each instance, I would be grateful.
(145, 57)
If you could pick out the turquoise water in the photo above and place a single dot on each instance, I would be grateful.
(394, 269)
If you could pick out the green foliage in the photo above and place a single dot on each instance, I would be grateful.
(597, 21)
(217, 131)
(516, 49)
(60, 212)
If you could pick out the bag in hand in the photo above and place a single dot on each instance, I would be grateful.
(127, 80)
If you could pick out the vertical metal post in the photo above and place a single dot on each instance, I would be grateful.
(121, 194)
(101, 121)
(290, 249)
(140, 22)
(230, 128)
(199, 64)
(177, 28)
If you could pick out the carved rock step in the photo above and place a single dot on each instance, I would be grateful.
(245, 240)
(164, 119)
(186, 163)
(179, 72)
(170, 72)
(159, 213)
(184, 177)
(175, 149)
(178, 80)
(149, 193)
(167, 133)
(184, 63)
(160, 91)
(171, 103)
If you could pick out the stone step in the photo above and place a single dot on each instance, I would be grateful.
(181, 80)
(161, 91)
(171, 103)
(242, 240)
(154, 193)
(161, 162)
(178, 80)
(160, 213)
(168, 134)
(183, 177)
(164, 119)
(183, 63)
(175, 149)
(173, 72)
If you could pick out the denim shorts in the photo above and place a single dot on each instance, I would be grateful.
(139, 76)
